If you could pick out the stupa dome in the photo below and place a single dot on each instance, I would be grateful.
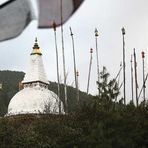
(34, 100)
(35, 97)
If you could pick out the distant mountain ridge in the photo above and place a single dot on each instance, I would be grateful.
(10, 86)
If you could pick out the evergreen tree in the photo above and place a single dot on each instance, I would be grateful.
(108, 89)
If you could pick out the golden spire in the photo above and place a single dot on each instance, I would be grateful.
(36, 48)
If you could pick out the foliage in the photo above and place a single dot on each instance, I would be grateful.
(9, 81)
(88, 127)
(107, 89)
(99, 123)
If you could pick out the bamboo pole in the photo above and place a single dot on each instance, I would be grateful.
(63, 54)
(117, 76)
(97, 57)
(136, 83)
(74, 64)
(78, 86)
(90, 64)
(132, 87)
(143, 86)
(57, 63)
(124, 78)
(143, 56)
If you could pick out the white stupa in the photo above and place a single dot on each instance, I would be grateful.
(35, 97)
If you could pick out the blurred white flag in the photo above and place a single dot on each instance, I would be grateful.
(15, 15)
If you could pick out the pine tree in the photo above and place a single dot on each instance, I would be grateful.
(108, 89)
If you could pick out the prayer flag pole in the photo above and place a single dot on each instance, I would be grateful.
(57, 62)
(90, 64)
(63, 53)
(124, 79)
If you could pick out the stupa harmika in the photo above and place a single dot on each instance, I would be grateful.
(35, 97)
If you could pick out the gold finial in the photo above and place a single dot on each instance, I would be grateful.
(36, 40)
(36, 48)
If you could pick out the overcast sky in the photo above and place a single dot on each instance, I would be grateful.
(109, 16)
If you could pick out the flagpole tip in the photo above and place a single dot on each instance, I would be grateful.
(71, 31)
(123, 30)
(91, 50)
(143, 54)
(96, 32)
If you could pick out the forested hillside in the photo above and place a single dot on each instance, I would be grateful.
(91, 126)
(101, 122)
(10, 86)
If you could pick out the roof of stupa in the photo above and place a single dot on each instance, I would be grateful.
(35, 97)
(35, 70)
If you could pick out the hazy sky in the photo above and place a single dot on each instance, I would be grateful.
(109, 16)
